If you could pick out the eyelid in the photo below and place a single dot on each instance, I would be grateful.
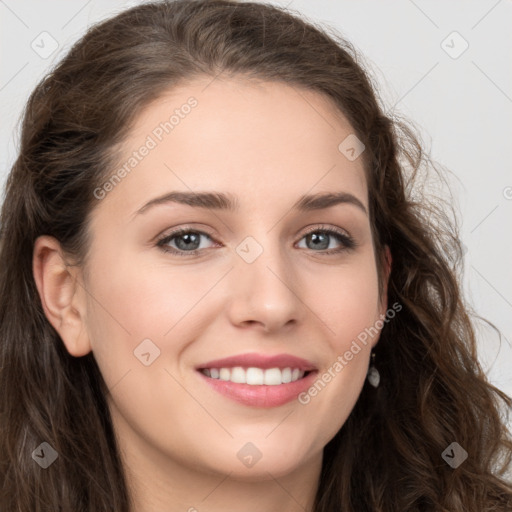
(324, 227)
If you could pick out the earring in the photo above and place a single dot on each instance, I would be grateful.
(373, 374)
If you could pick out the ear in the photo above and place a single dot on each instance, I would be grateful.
(62, 297)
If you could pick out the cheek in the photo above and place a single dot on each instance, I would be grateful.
(346, 299)
(132, 299)
(141, 299)
(347, 303)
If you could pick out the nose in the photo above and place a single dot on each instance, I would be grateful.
(266, 292)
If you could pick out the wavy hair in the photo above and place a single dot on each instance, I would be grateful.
(387, 457)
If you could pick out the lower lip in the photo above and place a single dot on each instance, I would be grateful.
(261, 396)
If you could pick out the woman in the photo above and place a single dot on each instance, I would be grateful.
(221, 295)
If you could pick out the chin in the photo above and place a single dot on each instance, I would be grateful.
(261, 467)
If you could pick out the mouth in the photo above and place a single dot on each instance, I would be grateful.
(259, 380)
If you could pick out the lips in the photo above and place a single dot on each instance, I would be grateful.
(260, 361)
(271, 392)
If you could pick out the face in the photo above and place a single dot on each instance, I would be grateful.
(266, 277)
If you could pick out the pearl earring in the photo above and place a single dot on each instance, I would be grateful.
(373, 374)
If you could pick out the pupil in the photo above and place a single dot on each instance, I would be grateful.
(189, 237)
(315, 237)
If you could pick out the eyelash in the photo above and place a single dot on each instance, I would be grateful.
(347, 242)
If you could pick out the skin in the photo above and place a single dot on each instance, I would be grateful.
(268, 144)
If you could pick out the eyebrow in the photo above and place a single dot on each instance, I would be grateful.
(229, 202)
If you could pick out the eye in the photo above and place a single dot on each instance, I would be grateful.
(320, 237)
(187, 242)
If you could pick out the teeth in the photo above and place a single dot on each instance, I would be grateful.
(238, 375)
(224, 374)
(255, 376)
(272, 377)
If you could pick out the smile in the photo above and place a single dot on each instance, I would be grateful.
(255, 376)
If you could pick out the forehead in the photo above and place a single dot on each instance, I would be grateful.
(264, 142)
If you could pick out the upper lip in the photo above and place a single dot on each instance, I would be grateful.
(260, 361)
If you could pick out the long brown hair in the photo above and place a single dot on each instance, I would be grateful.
(388, 455)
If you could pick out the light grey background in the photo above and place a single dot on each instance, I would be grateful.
(461, 105)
